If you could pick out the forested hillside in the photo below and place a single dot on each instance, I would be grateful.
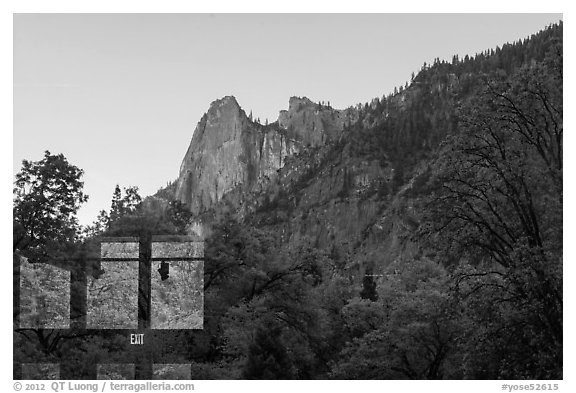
(424, 243)
(416, 236)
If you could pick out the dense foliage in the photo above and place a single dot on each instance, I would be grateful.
(47, 195)
(476, 149)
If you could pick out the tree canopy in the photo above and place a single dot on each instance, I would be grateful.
(47, 196)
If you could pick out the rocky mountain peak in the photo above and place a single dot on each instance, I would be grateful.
(229, 152)
(312, 123)
(224, 104)
(298, 103)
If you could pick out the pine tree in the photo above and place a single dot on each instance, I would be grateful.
(116, 207)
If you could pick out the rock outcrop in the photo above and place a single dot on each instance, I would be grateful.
(228, 151)
(313, 124)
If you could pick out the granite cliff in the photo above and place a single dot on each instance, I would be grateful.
(347, 181)
(314, 175)
(231, 154)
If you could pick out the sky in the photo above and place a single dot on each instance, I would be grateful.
(120, 94)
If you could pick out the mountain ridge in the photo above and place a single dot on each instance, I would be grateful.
(417, 236)
(328, 175)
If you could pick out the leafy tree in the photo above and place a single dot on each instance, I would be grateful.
(179, 214)
(498, 213)
(410, 332)
(47, 196)
(257, 291)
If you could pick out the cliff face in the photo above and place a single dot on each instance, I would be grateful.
(350, 182)
(229, 152)
(210, 166)
(336, 199)
(313, 124)
(333, 179)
